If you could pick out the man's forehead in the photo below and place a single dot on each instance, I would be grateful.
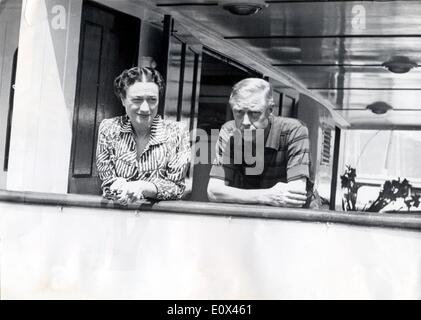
(252, 101)
(143, 95)
(248, 95)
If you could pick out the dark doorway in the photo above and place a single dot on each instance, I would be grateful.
(109, 44)
(218, 76)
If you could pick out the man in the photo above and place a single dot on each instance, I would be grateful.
(282, 151)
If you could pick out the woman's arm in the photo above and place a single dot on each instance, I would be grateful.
(105, 160)
(173, 185)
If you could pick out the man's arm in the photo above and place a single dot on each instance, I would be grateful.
(220, 191)
(292, 194)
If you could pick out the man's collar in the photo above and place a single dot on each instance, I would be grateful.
(274, 137)
(157, 129)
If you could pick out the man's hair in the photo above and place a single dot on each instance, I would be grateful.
(137, 74)
(247, 87)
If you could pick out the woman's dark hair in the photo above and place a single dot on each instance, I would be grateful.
(137, 74)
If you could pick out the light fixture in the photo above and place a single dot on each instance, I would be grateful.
(399, 64)
(244, 8)
(286, 49)
(379, 107)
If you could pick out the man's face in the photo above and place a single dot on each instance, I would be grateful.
(141, 103)
(251, 112)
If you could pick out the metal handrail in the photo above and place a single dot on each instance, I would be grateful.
(403, 221)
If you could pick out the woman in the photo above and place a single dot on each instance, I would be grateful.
(140, 155)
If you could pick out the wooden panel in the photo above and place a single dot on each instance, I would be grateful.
(89, 82)
(109, 44)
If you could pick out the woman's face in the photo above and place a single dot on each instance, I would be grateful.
(141, 103)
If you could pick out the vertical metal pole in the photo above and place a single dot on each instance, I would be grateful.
(388, 157)
(334, 182)
(181, 81)
(166, 41)
(340, 103)
(194, 91)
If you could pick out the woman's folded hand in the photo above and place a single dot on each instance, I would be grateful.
(132, 191)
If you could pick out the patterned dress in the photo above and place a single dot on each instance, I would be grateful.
(163, 162)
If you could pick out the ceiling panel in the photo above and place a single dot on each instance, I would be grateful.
(357, 99)
(320, 44)
(358, 50)
(322, 77)
(363, 119)
(306, 18)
